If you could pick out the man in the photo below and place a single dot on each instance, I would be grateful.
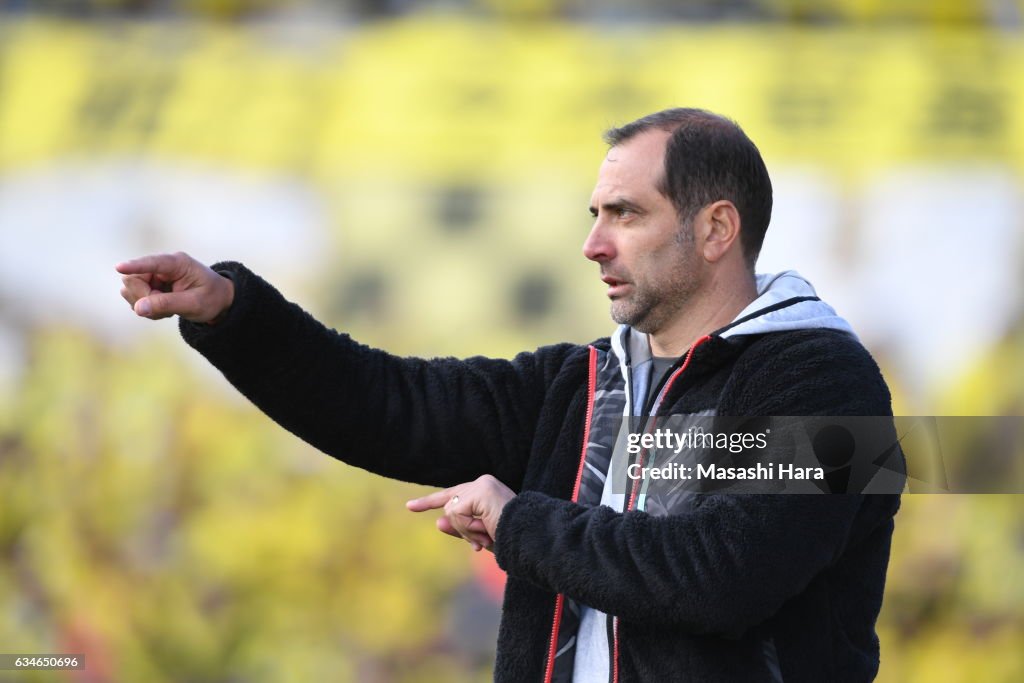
(604, 584)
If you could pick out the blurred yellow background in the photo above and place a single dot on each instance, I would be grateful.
(421, 180)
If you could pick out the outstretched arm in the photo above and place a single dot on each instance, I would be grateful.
(437, 422)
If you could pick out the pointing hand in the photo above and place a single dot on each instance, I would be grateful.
(163, 285)
(471, 510)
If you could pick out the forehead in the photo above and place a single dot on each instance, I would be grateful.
(635, 166)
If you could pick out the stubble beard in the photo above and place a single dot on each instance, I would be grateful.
(649, 309)
(635, 310)
(653, 305)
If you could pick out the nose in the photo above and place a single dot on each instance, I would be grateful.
(597, 247)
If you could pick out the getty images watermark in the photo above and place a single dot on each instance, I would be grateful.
(696, 439)
(808, 455)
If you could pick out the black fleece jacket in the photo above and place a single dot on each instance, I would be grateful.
(739, 588)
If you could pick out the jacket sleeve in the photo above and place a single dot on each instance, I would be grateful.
(437, 422)
(731, 561)
(720, 569)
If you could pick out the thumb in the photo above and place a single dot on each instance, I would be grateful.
(164, 304)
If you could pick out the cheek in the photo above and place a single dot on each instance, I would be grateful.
(665, 259)
(672, 263)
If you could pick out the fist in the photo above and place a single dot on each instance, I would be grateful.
(175, 284)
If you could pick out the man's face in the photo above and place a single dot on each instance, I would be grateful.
(647, 258)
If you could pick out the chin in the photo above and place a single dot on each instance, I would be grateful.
(647, 321)
(624, 316)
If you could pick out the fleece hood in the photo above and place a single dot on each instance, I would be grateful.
(785, 301)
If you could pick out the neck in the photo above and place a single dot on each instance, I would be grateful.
(715, 306)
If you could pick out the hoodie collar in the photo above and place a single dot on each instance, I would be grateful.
(785, 301)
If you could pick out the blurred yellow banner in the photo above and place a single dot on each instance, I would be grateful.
(451, 97)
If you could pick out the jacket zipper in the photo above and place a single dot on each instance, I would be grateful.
(652, 407)
(661, 394)
(549, 669)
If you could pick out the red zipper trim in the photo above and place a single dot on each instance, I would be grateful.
(636, 488)
(657, 404)
(615, 650)
(549, 670)
(591, 390)
(675, 375)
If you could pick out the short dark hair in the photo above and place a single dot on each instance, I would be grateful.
(707, 158)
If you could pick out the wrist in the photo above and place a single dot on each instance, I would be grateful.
(227, 286)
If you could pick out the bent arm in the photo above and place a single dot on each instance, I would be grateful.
(437, 422)
(726, 566)
(731, 561)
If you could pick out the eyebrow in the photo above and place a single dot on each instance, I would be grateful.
(615, 205)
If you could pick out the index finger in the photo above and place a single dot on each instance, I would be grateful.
(435, 500)
(161, 264)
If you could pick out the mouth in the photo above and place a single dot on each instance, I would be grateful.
(616, 287)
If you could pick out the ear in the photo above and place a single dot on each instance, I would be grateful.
(721, 223)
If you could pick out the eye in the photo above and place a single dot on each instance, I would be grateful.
(623, 212)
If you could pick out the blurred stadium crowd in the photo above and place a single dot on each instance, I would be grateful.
(418, 174)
